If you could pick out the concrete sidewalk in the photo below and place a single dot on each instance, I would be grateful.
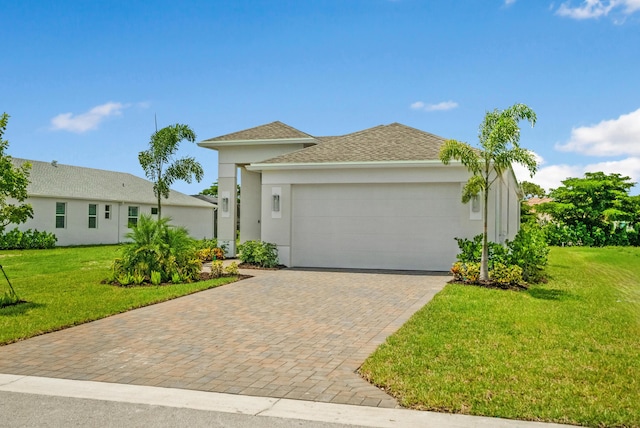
(195, 408)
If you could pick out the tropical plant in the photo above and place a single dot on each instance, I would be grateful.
(157, 248)
(13, 185)
(160, 166)
(499, 138)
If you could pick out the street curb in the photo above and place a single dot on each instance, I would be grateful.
(257, 406)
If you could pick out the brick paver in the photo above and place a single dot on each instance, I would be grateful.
(286, 334)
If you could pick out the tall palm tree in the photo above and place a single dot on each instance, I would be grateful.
(499, 138)
(160, 166)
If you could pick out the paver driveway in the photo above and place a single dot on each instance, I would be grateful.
(286, 334)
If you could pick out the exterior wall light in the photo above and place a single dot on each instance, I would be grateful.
(475, 204)
(225, 205)
(275, 203)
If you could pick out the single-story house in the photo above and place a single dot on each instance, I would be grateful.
(84, 206)
(374, 199)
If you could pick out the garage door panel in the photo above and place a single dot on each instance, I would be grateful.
(382, 226)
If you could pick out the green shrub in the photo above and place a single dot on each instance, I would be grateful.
(232, 269)
(156, 277)
(506, 275)
(468, 272)
(471, 251)
(138, 278)
(125, 279)
(259, 253)
(528, 251)
(210, 249)
(216, 268)
(156, 246)
(30, 239)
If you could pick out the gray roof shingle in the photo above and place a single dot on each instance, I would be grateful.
(271, 131)
(74, 182)
(394, 142)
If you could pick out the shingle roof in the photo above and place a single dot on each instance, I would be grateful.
(270, 131)
(74, 182)
(394, 142)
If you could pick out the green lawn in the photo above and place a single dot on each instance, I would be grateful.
(62, 288)
(567, 351)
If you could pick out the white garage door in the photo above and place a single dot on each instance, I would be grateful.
(375, 226)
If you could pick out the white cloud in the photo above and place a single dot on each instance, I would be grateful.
(509, 2)
(551, 176)
(442, 106)
(613, 137)
(84, 122)
(522, 173)
(590, 9)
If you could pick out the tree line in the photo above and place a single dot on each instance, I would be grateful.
(594, 210)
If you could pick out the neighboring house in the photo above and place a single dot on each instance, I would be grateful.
(535, 201)
(375, 199)
(83, 206)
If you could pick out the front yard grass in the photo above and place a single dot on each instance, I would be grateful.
(62, 288)
(567, 351)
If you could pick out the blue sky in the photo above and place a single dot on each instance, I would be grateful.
(82, 80)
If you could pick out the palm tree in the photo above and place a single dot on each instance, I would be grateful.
(499, 137)
(160, 166)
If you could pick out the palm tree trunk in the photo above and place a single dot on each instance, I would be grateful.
(484, 260)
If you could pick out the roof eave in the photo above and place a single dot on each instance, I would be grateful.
(215, 145)
(345, 165)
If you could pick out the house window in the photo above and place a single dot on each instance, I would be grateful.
(133, 216)
(93, 216)
(107, 212)
(154, 210)
(61, 215)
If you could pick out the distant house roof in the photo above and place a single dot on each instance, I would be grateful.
(207, 198)
(394, 142)
(271, 131)
(50, 179)
(537, 201)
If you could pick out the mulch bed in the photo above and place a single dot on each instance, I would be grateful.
(250, 266)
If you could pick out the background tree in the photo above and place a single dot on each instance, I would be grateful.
(213, 190)
(597, 207)
(13, 184)
(499, 138)
(531, 190)
(162, 168)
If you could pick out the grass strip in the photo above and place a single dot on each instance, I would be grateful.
(62, 288)
(567, 351)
